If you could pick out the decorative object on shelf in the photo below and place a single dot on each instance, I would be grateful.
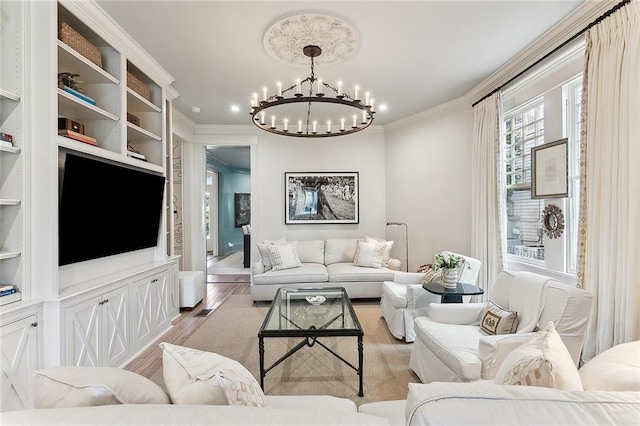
(318, 198)
(67, 124)
(553, 221)
(135, 84)
(549, 170)
(67, 79)
(133, 119)
(242, 204)
(77, 42)
(311, 107)
(406, 241)
(133, 153)
(449, 264)
(6, 139)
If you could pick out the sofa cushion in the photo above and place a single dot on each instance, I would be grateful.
(339, 250)
(616, 369)
(307, 273)
(542, 360)
(369, 255)
(311, 251)
(194, 377)
(311, 403)
(284, 256)
(456, 345)
(89, 386)
(348, 272)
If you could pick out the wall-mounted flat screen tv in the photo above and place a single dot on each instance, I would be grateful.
(105, 208)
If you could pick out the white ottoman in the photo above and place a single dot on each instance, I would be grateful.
(191, 288)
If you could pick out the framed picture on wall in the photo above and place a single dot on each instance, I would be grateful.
(321, 198)
(549, 170)
(242, 203)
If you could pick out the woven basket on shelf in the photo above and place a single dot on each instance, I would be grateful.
(77, 42)
(138, 86)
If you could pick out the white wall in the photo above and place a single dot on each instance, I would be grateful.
(362, 152)
(428, 181)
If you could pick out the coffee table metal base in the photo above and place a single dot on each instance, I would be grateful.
(311, 341)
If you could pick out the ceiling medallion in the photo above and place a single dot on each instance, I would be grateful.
(286, 39)
(312, 107)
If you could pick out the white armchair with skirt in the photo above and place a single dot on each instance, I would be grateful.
(404, 299)
(452, 344)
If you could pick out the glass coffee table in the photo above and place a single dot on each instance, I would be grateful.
(311, 313)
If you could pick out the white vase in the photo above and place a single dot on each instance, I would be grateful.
(450, 278)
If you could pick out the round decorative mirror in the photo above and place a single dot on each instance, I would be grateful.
(553, 221)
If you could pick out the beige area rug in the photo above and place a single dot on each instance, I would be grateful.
(232, 331)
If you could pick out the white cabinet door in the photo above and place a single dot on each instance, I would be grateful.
(151, 307)
(115, 313)
(19, 359)
(83, 333)
(174, 290)
(97, 330)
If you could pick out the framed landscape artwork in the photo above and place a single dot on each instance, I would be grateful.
(321, 198)
(242, 209)
(549, 175)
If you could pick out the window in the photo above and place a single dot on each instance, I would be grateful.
(523, 129)
(572, 93)
(549, 115)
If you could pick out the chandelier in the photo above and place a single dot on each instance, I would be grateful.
(304, 112)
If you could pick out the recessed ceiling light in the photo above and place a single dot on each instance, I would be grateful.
(382, 107)
(235, 108)
(195, 110)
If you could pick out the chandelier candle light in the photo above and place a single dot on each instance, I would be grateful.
(314, 113)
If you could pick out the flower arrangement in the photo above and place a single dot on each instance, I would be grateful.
(446, 261)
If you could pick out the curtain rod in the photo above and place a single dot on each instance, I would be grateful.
(562, 45)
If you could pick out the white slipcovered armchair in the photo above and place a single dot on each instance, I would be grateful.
(451, 347)
(404, 299)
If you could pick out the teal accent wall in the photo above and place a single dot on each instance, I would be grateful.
(230, 181)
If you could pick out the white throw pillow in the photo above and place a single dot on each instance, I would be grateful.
(71, 386)
(194, 377)
(285, 256)
(387, 248)
(263, 248)
(369, 255)
(497, 320)
(542, 360)
(241, 389)
(616, 369)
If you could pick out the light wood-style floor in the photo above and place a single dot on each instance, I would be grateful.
(218, 289)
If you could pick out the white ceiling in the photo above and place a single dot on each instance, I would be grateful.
(413, 55)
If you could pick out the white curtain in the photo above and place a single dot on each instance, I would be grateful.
(610, 214)
(486, 235)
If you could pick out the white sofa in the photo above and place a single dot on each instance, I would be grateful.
(611, 396)
(325, 263)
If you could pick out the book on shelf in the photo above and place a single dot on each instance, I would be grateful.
(11, 298)
(6, 144)
(79, 95)
(4, 287)
(6, 137)
(4, 293)
(78, 136)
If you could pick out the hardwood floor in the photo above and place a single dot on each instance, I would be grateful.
(218, 289)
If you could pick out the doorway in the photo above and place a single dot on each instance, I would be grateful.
(228, 174)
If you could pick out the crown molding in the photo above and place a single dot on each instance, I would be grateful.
(575, 22)
(103, 24)
(179, 119)
(171, 93)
